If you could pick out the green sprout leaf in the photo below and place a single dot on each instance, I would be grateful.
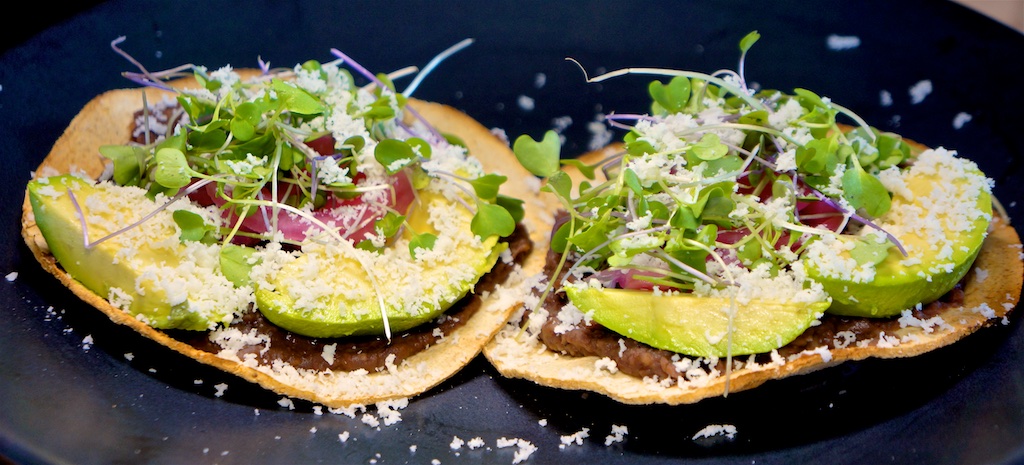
(486, 186)
(559, 184)
(748, 41)
(129, 162)
(235, 264)
(172, 171)
(394, 155)
(749, 252)
(593, 235)
(809, 99)
(420, 147)
(491, 220)
(585, 169)
(865, 191)
(632, 181)
(637, 147)
(560, 239)
(540, 158)
(423, 241)
(818, 156)
(243, 125)
(891, 150)
(454, 140)
(295, 99)
(684, 219)
(672, 96)
(868, 251)
(513, 205)
(193, 228)
(390, 224)
(710, 147)
(757, 118)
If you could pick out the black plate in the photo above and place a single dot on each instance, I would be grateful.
(64, 400)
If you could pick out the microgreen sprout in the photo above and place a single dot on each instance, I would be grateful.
(716, 173)
(280, 155)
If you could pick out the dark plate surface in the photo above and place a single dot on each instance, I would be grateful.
(75, 388)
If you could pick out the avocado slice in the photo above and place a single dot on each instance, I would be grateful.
(697, 325)
(941, 218)
(326, 293)
(139, 271)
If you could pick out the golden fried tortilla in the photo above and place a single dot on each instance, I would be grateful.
(107, 119)
(991, 290)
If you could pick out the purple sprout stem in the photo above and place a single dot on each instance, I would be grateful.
(145, 77)
(859, 219)
(85, 230)
(366, 73)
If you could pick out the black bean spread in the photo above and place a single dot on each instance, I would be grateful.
(641, 360)
(362, 352)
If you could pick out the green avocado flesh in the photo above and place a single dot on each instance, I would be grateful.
(695, 325)
(352, 306)
(900, 282)
(137, 286)
(103, 268)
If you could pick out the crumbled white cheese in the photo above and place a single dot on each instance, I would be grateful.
(885, 98)
(328, 353)
(525, 103)
(961, 119)
(708, 431)
(920, 90)
(618, 434)
(575, 438)
(837, 42)
(524, 448)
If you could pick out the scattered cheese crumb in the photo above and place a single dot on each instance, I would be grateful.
(328, 353)
(728, 431)
(600, 134)
(539, 80)
(984, 310)
(619, 433)
(12, 276)
(370, 420)
(838, 42)
(220, 389)
(286, 402)
(961, 119)
(87, 342)
(920, 90)
(525, 103)
(885, 98)
(576, 438)
(456, 443)
(526, 448)
(343, 436)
